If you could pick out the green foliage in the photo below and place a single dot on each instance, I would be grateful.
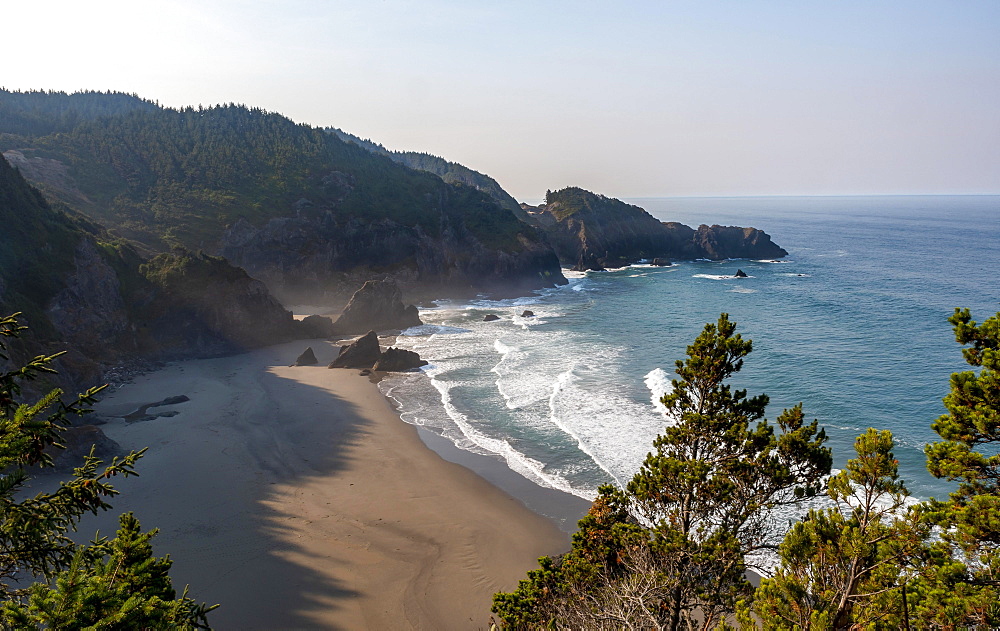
(36, 246)
(167, 177)
(117, 583)
(844, 566)
(671, 548)
(450, 172)
(967, 557)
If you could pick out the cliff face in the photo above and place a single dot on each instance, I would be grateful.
(103, 304)
(317, 251)
(590, 231)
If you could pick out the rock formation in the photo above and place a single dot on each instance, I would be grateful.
(741, 274)
(317, 326)
(363, 353)
(378, 305)
(490, 317)
(398, 360)
(307, 358)
(527, 313)
(593, 232)
(661, 262)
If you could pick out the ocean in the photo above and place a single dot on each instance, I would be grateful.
(852, 323)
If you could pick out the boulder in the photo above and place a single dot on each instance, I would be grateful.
(661, 262)
(741, 274)
(363, 353)
(317, 326)
(307, 358)
(490, 317)
(398, 360)
(377, 306)
(528, 314)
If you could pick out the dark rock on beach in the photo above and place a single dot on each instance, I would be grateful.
(363, 353)
(317, 326)
(307, 358)
(378, 306)
(399, 360)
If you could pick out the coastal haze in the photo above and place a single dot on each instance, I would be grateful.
(207, 203)
(634, 99)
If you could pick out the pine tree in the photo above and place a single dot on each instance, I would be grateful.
(843, 567)
(116, 583)
(671, 548)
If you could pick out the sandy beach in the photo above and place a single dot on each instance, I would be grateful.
(296, 498)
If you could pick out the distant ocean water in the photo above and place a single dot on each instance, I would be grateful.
(853, 323)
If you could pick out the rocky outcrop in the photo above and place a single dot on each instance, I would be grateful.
(593, 232)
(317, 326)
(307, 358)
(363, 353)
(78, 442)
(89, 311)
(490, 317)
(398, 360)
(527, 313)
(661, 262)
(378, 305)
(741, 274)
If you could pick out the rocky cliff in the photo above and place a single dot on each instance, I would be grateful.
(591, 231)
(80, 291)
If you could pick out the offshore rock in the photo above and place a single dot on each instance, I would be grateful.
(307, 358)
(527, 313)
(398, 360)
(661, 262)
(740, 274)
(490, 317)
(363, 353)
(378, 305)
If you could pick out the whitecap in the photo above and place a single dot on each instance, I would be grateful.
(433, 329)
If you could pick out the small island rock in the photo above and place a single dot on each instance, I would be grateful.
(740, 274)
(490, 317)
(661, 262)
(361, 354)
(528, 314)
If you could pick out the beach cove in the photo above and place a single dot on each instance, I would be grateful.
(297, 498)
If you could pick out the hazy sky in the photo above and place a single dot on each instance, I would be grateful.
(629, 99)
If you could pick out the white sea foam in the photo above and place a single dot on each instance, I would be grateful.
(713, 276)
(433, 329)
(658, 382)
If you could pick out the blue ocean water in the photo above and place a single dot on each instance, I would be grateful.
(853, 324)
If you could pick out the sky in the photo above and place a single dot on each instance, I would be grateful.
(628, 99)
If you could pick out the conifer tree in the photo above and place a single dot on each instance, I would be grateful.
(110, 584)
(962, 570)
(671, 548)
(843, 567)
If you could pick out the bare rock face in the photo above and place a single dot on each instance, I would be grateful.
(398, 360)
(317, 326)
(361, 354)
(378, 306)
(307, 358)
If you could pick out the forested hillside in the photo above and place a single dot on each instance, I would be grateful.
(450, 172)
(79, 288)
(162, 177)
